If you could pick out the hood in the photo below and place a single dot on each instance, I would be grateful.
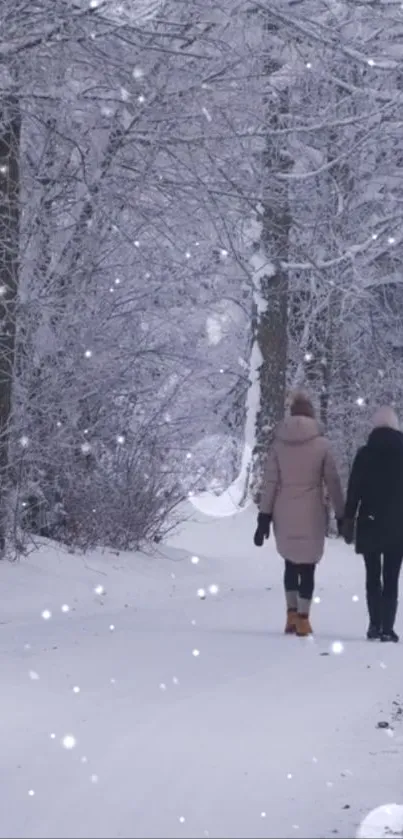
(385, 438)
(297, 430)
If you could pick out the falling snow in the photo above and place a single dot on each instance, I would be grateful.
(69, 742)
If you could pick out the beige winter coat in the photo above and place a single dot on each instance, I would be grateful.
(300, 466)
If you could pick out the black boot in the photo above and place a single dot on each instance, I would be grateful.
(389, 609)
(374, 611)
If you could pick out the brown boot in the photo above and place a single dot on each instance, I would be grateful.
(303, 626)
(291, 625)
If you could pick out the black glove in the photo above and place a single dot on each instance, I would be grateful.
(348, 531)
(263, 529)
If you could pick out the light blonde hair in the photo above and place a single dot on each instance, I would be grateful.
(386, 417)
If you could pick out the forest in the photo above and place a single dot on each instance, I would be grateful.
(200, 210)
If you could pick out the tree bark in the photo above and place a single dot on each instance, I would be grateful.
(10, 135)
(271, 318)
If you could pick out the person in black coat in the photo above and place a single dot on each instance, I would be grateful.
(374, 515)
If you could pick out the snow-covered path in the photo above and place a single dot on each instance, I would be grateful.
(258, 735)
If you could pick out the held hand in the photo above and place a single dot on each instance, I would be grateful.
(348, 531)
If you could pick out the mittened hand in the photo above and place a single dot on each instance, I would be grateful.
(258, 538)
(348, 531)
(263, 529)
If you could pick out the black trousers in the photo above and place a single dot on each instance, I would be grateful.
(382, 577)
(300, 578)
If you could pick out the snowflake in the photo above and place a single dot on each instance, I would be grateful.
(194, 560)
(94, 779)
(214, 589)
(201, 592)
(195, 653)
(120, 439)
(31, 792)
(76, 689)
(46, 614)
(316, 599)
(138, 73)
(337, 647)
(24, 441)
(33, 675)
(99, 589)
(69, 742)
(88, 353)
(355, 598)
(86, 448)
(65, 608)
(112, 627)
(360, 401)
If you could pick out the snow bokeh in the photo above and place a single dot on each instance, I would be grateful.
(382, 823)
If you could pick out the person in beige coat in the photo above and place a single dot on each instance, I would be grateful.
(300, 467)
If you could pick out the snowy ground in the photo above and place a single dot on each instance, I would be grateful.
(258, 735)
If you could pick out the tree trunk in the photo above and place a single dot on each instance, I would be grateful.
(271, 279)
(10, 133)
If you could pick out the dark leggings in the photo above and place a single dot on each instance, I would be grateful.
(383, 578)
(300, 578)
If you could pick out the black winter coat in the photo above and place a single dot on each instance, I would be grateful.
(375, 492)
